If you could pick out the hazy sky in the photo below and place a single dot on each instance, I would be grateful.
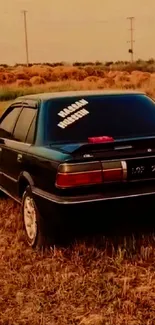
(70, 30)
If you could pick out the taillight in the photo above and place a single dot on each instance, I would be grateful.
(75, 175)
(114, 171)
(66, 180)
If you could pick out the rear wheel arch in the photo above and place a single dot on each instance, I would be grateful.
(24, 181)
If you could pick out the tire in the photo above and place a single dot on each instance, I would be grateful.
(32, 223)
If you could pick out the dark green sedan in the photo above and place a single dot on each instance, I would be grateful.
(69, 157)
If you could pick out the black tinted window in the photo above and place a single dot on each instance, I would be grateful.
(76, 119)
(9, 121)
(31, 132)
(23, 124)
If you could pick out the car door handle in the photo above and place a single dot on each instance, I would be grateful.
(19, 157)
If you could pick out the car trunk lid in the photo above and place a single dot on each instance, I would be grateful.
(119, 160)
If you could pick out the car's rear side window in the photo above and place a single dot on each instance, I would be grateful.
(24, 123)
(76, 119)
(8, 123)
(31, 131)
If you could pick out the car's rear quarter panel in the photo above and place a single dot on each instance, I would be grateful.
(42, 164)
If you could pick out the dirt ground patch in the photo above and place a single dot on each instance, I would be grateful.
(80, 285)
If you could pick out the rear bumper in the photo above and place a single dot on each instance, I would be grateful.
(96, 212)
(134, 192)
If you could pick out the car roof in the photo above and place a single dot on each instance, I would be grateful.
(52, 95)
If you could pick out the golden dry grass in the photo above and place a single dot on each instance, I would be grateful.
(80, 285)
(68, 77)
(19, 81)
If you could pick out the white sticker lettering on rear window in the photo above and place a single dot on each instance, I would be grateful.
(72, 108)
(72, 118)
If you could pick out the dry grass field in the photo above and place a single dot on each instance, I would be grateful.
(105, 282)
(24, 80)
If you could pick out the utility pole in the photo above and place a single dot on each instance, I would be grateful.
(26, 38)
(131, 50)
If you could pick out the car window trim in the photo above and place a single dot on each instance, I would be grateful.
(17, 121)
(25, 107)
(22, 105)
(34, 118)
(28, 103)
(6, 139)
(9, 110)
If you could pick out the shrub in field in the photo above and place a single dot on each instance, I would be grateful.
(2, 69)
(56, 74)
(128, 85)
(68, 73)
(140, 79)
(152, 77)
(137, 73)
(21, 75)
(100, 73)
(112, 74)
(2, 78)
(92, 79)
(80, 75)
(110, 82)
(73, 73)
(147, 74)
(101, 84)
(37, 80)
(23, 83)
(120, 78)
(106, 83)
(9, 77)
(91, 71)
(40, 71)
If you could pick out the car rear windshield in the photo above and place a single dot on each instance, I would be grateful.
(77, 118)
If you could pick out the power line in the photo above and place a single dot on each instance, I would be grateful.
(26, 37)
(131, 50)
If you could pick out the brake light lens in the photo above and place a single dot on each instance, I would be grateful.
(114, 171)
(111, 172)
(102, 139)
(66, 180)
(110, 175)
